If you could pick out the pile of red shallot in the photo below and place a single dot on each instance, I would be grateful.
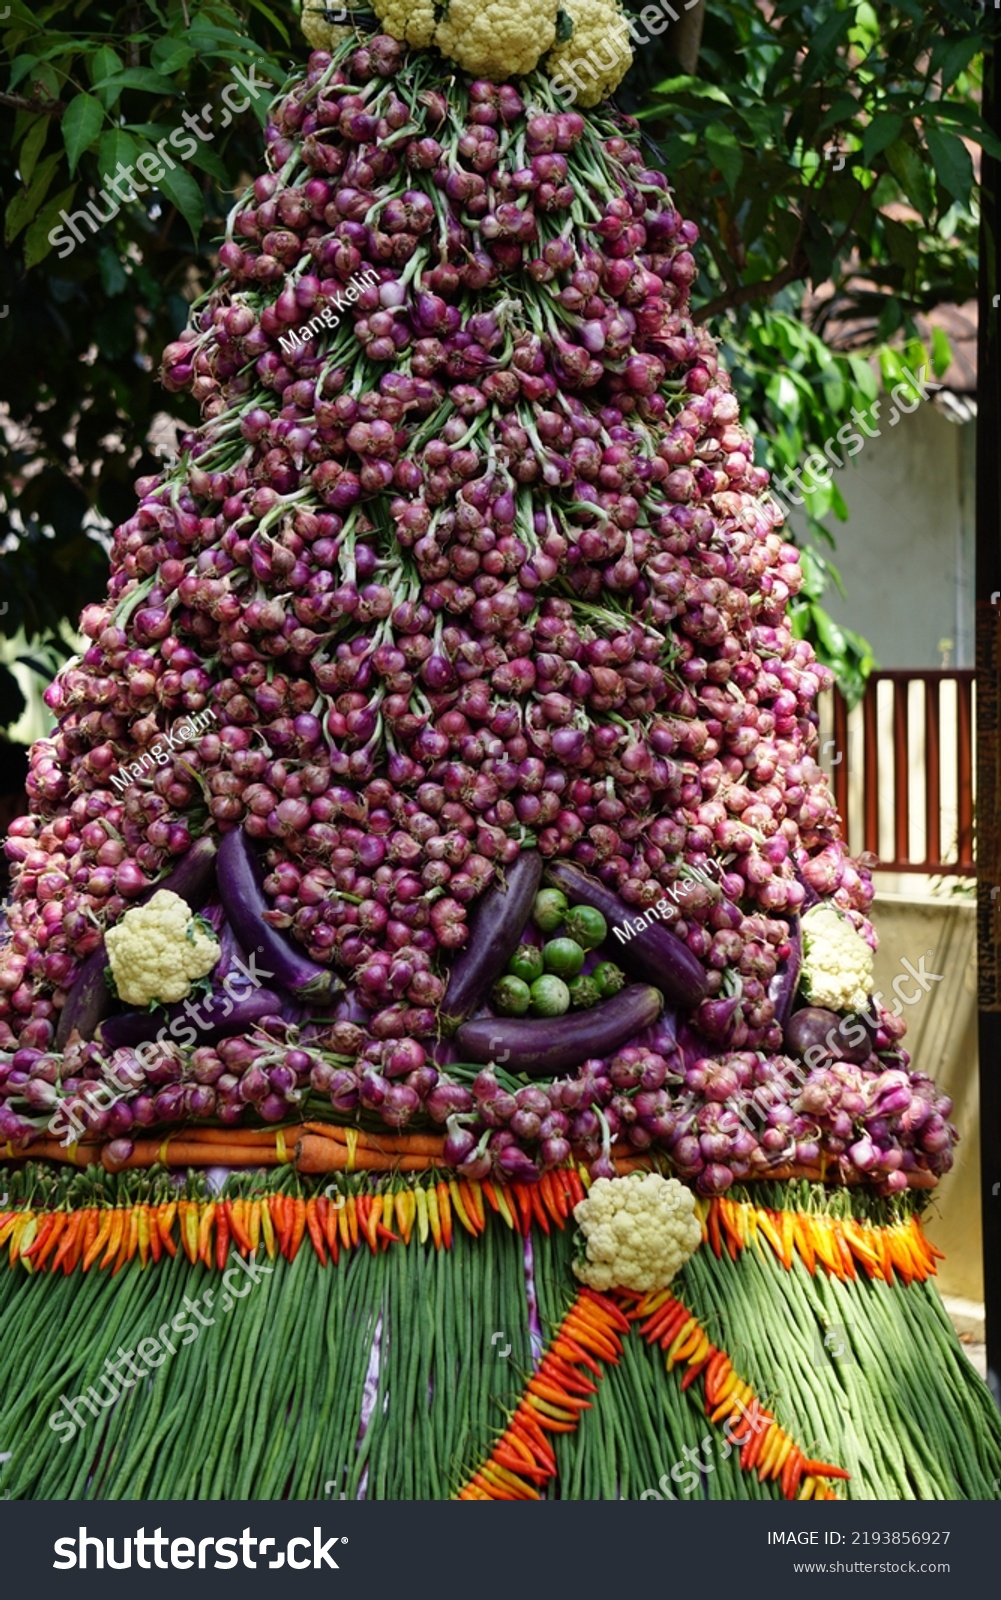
(469, 560)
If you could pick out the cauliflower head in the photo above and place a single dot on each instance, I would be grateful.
(318, 32)
(157, 951)
(498, 39)
(837, 962)
(411, 21)
(639, 1231)
(592, 63)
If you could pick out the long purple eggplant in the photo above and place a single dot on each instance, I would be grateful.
(241, 890)
(90, 998)
(493, 936)
(782, 989)
(543, 1046)
(653, 953)
(223, 1017)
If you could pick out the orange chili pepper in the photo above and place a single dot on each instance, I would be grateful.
(406, 1210)
(114, 1237)
(237, 1219)
(820, 1469)
(575, 1186)
(100, 1240)
(734, 1243)
(283, 1214)
(523, 1201)
(473, 1202)
(75, 1223)
(44, 1229)
(445, 1215)
(604, 1308)
(314, 1226)
(124, 1255)
(329, 1217)
(298, 1230)
(847, 1259)
(565, 1346)
(222, 1236)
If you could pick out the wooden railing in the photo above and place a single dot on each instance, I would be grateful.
(916, 769)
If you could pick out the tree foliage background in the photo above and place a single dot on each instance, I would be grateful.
(811, 265)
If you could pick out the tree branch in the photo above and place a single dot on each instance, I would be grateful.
(48, 108)
(684, 41)
(764, 289)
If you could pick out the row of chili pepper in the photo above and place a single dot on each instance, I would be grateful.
(522, 1461)
(837, 1243)
(764, 1444)
(110, 1236)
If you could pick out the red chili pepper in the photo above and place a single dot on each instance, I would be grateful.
(222, 1236)
(316, 1231)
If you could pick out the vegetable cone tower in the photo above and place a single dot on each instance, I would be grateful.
(431, 832)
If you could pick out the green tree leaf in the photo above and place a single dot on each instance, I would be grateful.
(31, 148)
(953, 166)
(881, 132)
(37, 244)
(912, 175)
(138, 78)
(116, 148)
(27, 201)
(81, 126)
(103, 65)
(170, 54)
(725, 152)
(182, 191)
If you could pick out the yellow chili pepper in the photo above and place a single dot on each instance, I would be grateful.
(423, 1221)
(143, 1232)
(267, 1228)
(205, 1233)
(433, 1216)
(461, 1212)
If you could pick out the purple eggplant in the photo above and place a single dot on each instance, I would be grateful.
(782, 989)
(88, 1001)
(653, 953)
(493, 936)
(241, 890)
(544, 1046)
(90, 998)
(222, 1015)
(848, 1038)
(193, 877)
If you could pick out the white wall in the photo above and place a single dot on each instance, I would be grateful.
(906, 554)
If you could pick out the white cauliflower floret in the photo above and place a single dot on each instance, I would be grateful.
(157, 951)
(639, 1230)
(837, 961)
(592, 63)
(318, 32)
(411, 21)
(498, 39)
